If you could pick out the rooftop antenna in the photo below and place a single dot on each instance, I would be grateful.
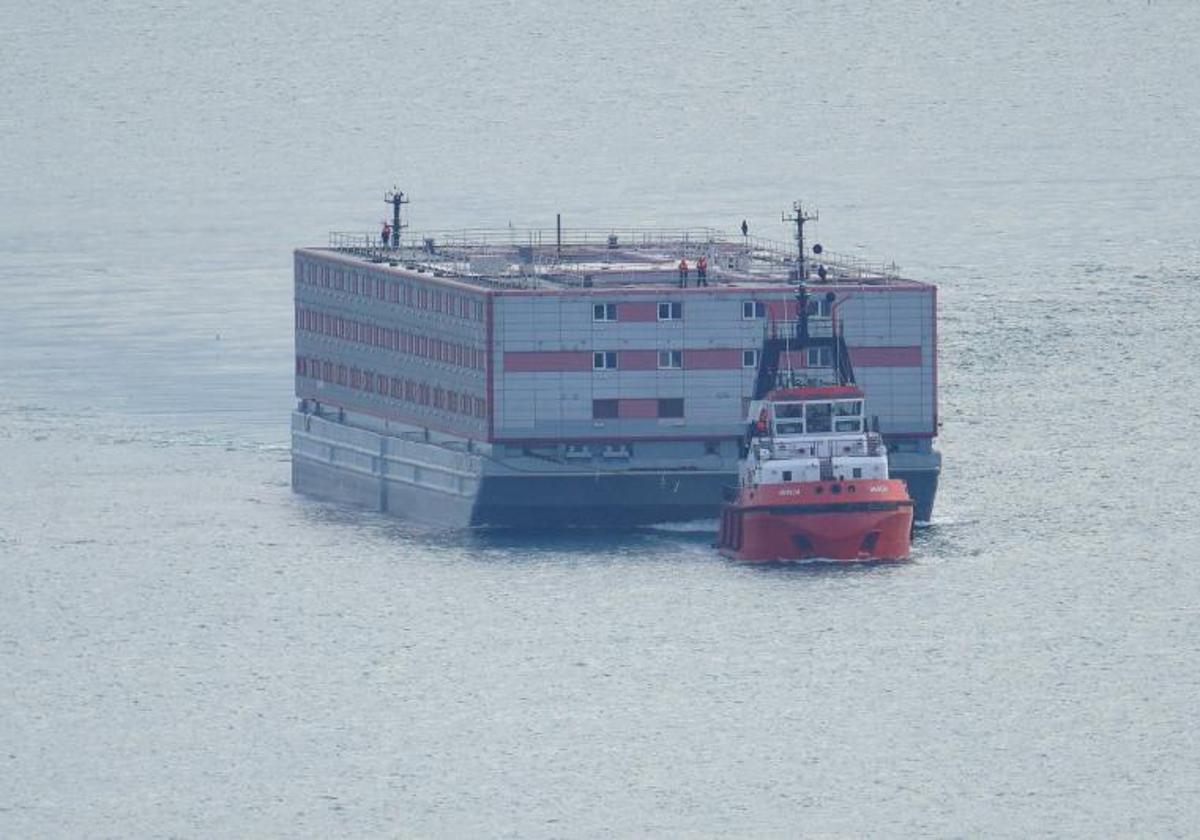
(800, 217)
(395, 198)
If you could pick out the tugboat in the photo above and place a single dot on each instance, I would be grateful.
(813, 480)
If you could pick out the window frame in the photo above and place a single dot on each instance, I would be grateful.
(674, 360)
(818, 417)
(674, 310)
(601, 360)
(757, 309)
(820, 354)
(755, 355)
(608, 311)
(606, 409)
(671, 402)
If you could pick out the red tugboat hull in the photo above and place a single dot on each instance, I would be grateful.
(861, 520)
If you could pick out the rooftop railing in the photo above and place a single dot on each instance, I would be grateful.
(551, 247)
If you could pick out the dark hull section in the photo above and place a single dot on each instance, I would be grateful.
(548, 501)
(598, 501)
(922, 488)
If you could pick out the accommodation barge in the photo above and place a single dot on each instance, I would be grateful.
(566, 378)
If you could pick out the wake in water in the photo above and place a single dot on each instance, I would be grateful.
(691, 526)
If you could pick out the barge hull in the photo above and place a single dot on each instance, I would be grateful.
(453, 487)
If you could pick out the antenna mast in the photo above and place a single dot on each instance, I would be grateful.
(395, 198)
(800, 217)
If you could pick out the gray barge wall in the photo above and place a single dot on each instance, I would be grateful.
(469, 403)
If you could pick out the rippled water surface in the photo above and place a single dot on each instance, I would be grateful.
(188, 649)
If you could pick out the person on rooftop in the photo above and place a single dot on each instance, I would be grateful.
(386, 234)
(702, 271)
(683, 273)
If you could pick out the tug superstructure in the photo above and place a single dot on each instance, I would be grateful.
(814, 483)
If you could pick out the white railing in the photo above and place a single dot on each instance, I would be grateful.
(819, 326)
(673, 241)
(870, 445)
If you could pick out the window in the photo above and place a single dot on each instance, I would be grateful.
(854, 425)
(752, 309)
(604, 312)
(789, 418)
(820, 357)
(604, 360)
(787, 475)
(817, 417)
(604, 409)
(670, 311)
(749, 358)
(670, 408)
(848, 408)
(824, 307)
(668, 359)
(856, 472)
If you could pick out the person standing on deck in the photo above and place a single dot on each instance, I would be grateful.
(702, 271)
(683, 273)
(386, 234)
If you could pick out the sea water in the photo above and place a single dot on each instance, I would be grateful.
(189, 649)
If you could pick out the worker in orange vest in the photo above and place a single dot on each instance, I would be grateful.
(683, 273)
(702, 271)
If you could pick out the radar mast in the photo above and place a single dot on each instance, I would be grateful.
(799, 216)
(395, 198)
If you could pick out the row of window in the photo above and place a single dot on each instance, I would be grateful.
(610, 409)
(667, 311)
(673, 310)
(401, 341)
(667, 359)
(374, 286)
(673, 359)
(409, 390)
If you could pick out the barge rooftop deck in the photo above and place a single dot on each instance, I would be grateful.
(546, 260)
